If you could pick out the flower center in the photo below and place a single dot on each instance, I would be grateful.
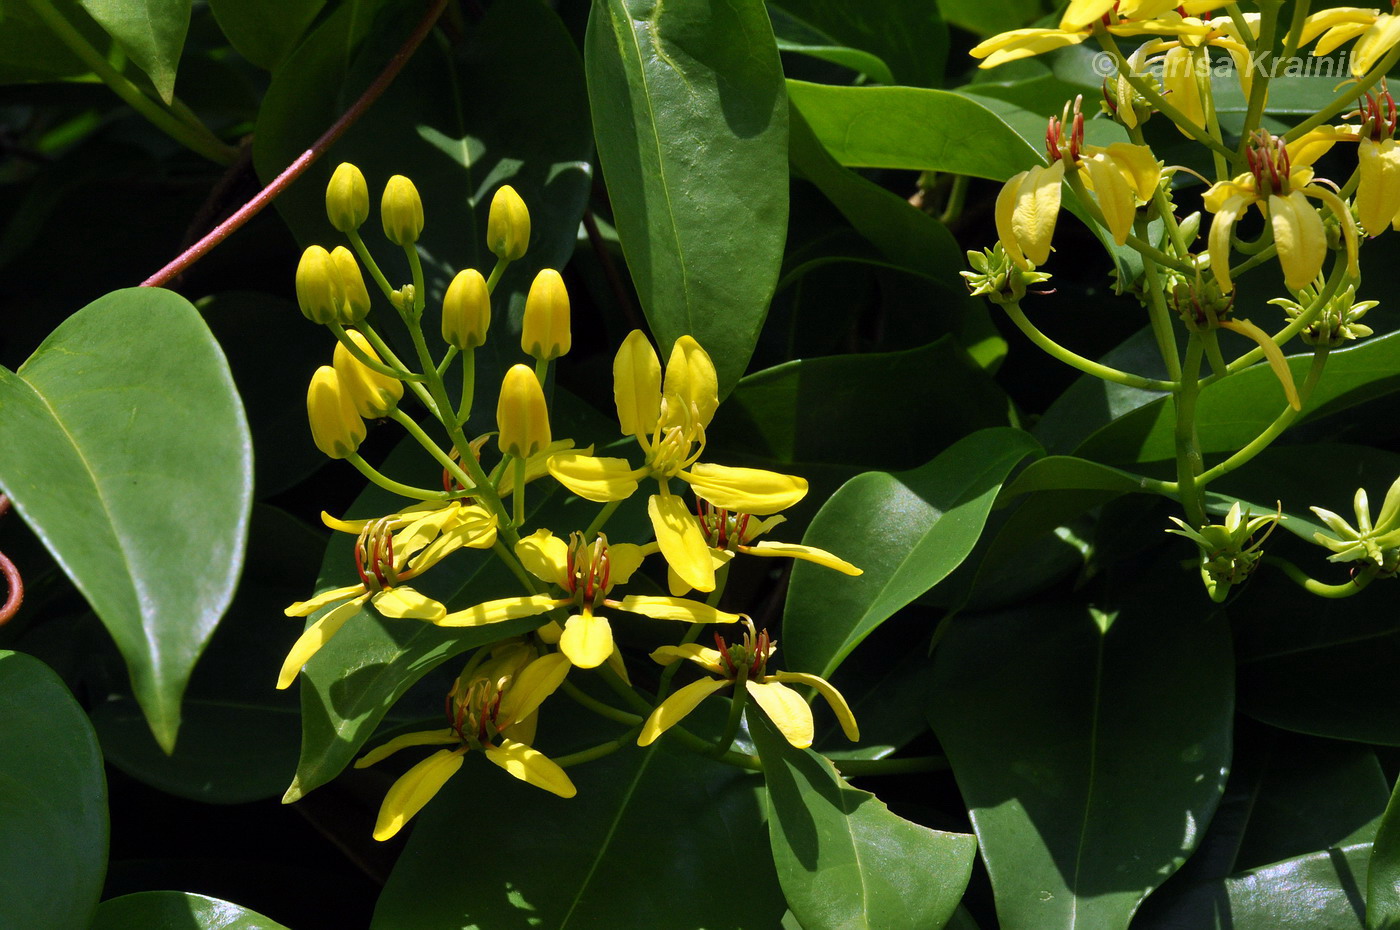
(749, 657)
(589, 569)
(374, 556)
(1060, 144)
(723, 529)
(1269, 163)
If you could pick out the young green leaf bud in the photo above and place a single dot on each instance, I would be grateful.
(521, 415)
(544, 333)
(401, 210)
(508, 225)
(466, 310)
(354, 304)
(372, 393)
(347, 198)
(335, 426)
(320, 293)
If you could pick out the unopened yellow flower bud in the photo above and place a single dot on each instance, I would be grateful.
(521, 415)
(544, 333)
(508, 225)
(347, 198)
(401, 210)
(335, 426)
(466, 310)
(372, 393)
(354, 297)
(319, 291)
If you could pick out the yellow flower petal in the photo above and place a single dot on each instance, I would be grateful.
(414, 789)
(507, 608)
(316, 636)
(1300, 237)
(785, 707)
(595, 479)
(1004, 211)
(1182, 90)
(421, 738)
(833, 698)
(1372, 46)
(806, 553)
(1037, 209)
(1082, 14)
(677, 585)
(703, 656)
(1271, 352)
(674, 608)
(531, 685)
(1138, 165)
(1318, 23)
(683, 545)
(623, 561)
(476, 534)
(1378, 195)
(404, 603)
(690, 375)
(637, 385)
(747, 490)
(1220, 229)
(537, 465)
(324, 599)
(676, 706)
(587, 640)
(1114, 195)
(545, 556)
(533, 766)
(1023, 43)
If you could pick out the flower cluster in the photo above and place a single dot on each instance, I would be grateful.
(702, 514)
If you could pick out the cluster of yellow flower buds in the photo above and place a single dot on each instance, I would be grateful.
(330, 288)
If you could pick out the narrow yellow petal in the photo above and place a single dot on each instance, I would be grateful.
(587, 640)
(421, 738)
(1182, 89)
(1318, 23)
(1300, 237)
(1378, 195)
(674, 608)
(1037, 209)
(1340, 35)
(477, 534)
(414, 789)
(1271, 352)
(1114, 195)
(533, 766)
(785, 707)
(595, 479)
(690, 375)
(683, 545)
(1139, 167)
(1005, 210)
(545, 556)
(537, 465)
(316, 636)
(1082, 14)
(637, 385)
(1220, 229)
(677, 585)
(531, 685)
(1378, 40)
(747, 490)
(833, 698)
(806, 553)
(404, 603)
(704, 656)
(507, 608)
(675, 708)
(324, 599)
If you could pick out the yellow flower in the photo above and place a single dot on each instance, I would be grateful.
(544, 329)
(587, 573)
(1379, 32)
(1378, 194)
(521, 414)
(746, 661)
(401, 211)
(372, 393)
(507, 224)
(347, 198)
(668, 420)
(728, 533)
(1148, 17)
(336, 427)
(389, 551)
(495, 711)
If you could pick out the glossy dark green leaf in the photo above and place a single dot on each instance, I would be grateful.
(1089, 761)
(655, 838)
(796, 35)
(906, 530)
(988, 17)
(912, 127)
(690, 120)
(907, 35)
(177, 910)
(1319, 891)
(265, 31)
(240, 736)
(151, 31)
(31, 51)
(53, 801)
(844, 860)
(128, 454)
(1383, 874)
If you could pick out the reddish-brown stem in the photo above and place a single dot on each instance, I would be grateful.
(14, 584)
(306, 159)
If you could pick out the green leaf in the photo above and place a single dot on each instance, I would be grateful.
(53, 801)
(29, 49)
(913, 128)
(1088, 760)
(989, 17)
(151, 31)
(265, 31)
(177, 910)
(240, 735)
(906, 35)
(795, 35)
(906, 530)
(656, 839)
(844, 860)
(691, 125)
(1383, 874)
(127, 452)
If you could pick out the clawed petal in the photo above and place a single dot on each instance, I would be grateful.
(690, 375)
(683, 545)
(833, 698)
(316, 636)
(421, 738)
(1300, 237)
(545, 556)
(746, 490)
(637, 385)
(806, 553)
(533, 766)
(324, 599)
(587, 640)
(595, 479)
(532, 684)
(677, 585)
(404, 603)
(675, 708)
(785, 707)
(674, 608)
(414, 789)
(507, 608)
(704, 656)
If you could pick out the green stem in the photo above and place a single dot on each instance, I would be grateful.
(908, 765)
(508, 557)
(1274, 429)
(389, 484)
(464, 409)
(1085, 365)
(393, 371)
(1188, 449)
(1296, 325)
(1242, 25)
(420, 296)
(1355, 586)
(1160, 317)
(736, 713)
(601, 520)
(623, 690)
(1346, 99)
(597, 752)
(518, 493)
(195, 136)
(957, 195)
(1259, 83)
(370, 264)
(598, 707)
(500, 269)
(1301, 8)
(1212, 343)
(426, 441)
(1207, 95)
